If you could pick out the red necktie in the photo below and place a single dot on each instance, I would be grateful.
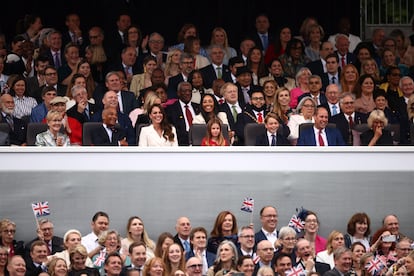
(221, 101)
(343, 61)
(351, 122)
(188, 115)
(321, 142)
(260, 118)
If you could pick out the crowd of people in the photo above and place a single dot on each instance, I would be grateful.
(323, 88)
(226, 250)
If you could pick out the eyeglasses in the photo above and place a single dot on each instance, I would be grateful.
(248, 236)
(195, 266)
(258, 99)
(290, 239)
(187, 62)
(9, 231)
(51, 74)
(270, 216)
(49, 228)
(404, 249)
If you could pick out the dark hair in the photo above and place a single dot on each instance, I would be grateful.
(168, 134)
(112, 254)
(16, 79)
(206, 115)
(99, 214)
(358, 218)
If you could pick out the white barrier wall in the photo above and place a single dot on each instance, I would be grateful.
(159, 185)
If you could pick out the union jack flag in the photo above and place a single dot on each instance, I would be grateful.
(375, 266)
(296, 223)
(296, 271)
(41, 209)
(101, 258)
(248, 205)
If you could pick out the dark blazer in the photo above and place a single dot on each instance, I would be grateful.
(322, 97)
(100, 137)
(343, 126)
(176, 118)
(384, 140)
(60, 91)
(81, 117)
(209, 256)
(332, 272)
(32, 85)
(244, 118)
(326, 105)
(260, 236)
(178, 241)
(316, 67)
(209, 75)
(51, 59)
(124, 123)
(326, 81)
(117, 66)
(258, 40)
(262, 140)
(57, 246)
(172, 86)
(240, 95)
(31, 269)
(115, 44)
(129, 101)
(18, 135)
(224, 107)
(349, 58)
(307, 137)
(319, 267)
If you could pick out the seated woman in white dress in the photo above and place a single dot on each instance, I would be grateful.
(159, 133)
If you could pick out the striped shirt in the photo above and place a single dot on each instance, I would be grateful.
(23, 106)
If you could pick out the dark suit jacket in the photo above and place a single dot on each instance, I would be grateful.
(172, 86)
(258, 40)
(50, 56)
(209, 75)
(81, 117)
(100, 137)
(260, 236)
(57, 246)
(307, 137)
(176, 118)
(61, 91)
(32, 85)
(243, 119)
(316, 67)
(319, 267)
(178, 241)
(262, 140)
(240, 95)
(343, 126)
(209, 256)
(31, 269)
(129, 101)
(322, 98)
(332, 272)
(326, 81)
(349, 58)
(124, 123)
(18, 135)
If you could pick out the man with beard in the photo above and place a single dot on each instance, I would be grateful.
(253, 113)
(305, 258)
(17, 127)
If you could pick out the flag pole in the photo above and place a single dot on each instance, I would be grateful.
(36, 219)
(251, 219)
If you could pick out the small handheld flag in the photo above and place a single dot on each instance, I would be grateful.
(248, 205)
(375, 266)
(41, 209)
(296, 271)
(297, 221)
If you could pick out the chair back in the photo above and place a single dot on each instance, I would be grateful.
(88, 129)
(32, 130)
(4, 134)
(251, 131)
(138, 128)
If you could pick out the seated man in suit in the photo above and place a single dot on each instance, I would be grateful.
(82, 111)
(253, 113)
(45, 233)
(319, 134)
(39, 111)
(186, 67)
(268, 219)
(304, 257)
(343, 262)
(109, 134)
(36, 264)
(348, 118)
(332, 96)
(232, 108)
(265, 251)
(183, 228)
(181, 113)
(315, 86)
(217, 69)
(110, 99)
(137, 252)
(17, 127)
(198, 240)
(333, 71)
(245, 243)
(272, 137)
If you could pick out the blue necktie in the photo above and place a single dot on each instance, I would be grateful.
(334, 110)
(273, 140)
(186, 246)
